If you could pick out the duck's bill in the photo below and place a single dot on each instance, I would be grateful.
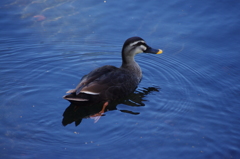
(153, 51)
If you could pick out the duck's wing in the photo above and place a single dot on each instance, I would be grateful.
(106, 83)
(109, 83)
(88, 81)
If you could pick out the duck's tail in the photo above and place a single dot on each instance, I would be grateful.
(82, 99)
(71, 97)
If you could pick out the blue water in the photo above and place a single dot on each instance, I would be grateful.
(186, 106)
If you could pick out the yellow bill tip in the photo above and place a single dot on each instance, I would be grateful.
(159, 51)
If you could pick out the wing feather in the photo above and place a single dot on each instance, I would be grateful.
(89, 81)
(109, 82)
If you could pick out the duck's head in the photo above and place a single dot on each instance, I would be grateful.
(135, 45)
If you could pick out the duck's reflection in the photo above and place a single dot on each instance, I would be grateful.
(75, 113)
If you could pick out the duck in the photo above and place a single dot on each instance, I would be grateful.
(109, 83)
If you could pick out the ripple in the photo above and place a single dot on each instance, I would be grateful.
(50, 75)
(176, 80)
(178, 88)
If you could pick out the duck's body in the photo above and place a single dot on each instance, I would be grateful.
(109, 83)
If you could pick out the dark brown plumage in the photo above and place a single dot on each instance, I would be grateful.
(109, 83)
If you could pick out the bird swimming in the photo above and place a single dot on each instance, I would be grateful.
(109, 83)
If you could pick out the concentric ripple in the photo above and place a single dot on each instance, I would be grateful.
(176, 80)
(178, 85)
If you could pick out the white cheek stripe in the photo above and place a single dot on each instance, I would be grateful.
(143, 47)
(137, 42)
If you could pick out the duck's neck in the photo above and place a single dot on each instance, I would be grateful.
(130, 64)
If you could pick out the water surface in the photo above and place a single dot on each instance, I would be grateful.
(186, 106)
